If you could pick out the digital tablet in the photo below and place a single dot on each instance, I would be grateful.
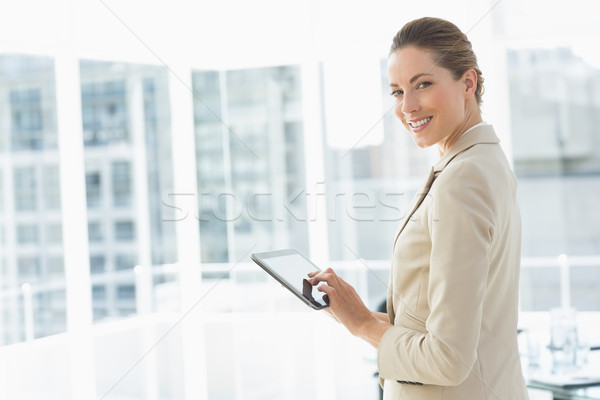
(290, 268)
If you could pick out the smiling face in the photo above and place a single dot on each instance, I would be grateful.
(433, 106)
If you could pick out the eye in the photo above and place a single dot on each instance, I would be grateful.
(397, 93)
(423, 85)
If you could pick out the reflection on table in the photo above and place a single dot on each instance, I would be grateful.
(568, 393)
(582, 383)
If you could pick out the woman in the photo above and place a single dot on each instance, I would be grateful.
(451, 323)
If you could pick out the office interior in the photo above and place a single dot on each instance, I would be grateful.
(148, 148)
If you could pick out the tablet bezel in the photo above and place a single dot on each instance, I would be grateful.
(262, 260)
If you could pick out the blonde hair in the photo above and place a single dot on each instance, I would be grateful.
(452, 49)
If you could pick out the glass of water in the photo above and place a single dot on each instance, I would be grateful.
(563, 340)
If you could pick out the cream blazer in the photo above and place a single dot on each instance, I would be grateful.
(453, 294)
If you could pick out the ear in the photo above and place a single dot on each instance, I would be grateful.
(469, 80)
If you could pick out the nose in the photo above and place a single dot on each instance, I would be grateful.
(409, 104)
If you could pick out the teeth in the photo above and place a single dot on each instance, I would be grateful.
(421, 122)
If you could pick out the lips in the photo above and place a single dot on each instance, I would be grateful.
(415, 123)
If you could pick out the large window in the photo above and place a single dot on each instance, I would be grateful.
(31, 251)
(250, 160)
(128, 172)
(556, 149)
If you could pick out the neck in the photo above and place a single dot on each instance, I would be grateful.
(472, 118)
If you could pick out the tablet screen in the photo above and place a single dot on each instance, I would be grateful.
(293, 268)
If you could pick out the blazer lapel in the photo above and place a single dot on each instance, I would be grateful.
(417, 202)
(482, 134)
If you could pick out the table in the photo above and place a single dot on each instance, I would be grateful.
(591, 392)
(561, 393)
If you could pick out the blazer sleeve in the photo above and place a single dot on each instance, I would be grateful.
(461, 225)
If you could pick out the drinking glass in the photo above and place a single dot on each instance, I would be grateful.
(563, 340)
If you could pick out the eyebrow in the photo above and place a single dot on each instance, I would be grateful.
(414, 78)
